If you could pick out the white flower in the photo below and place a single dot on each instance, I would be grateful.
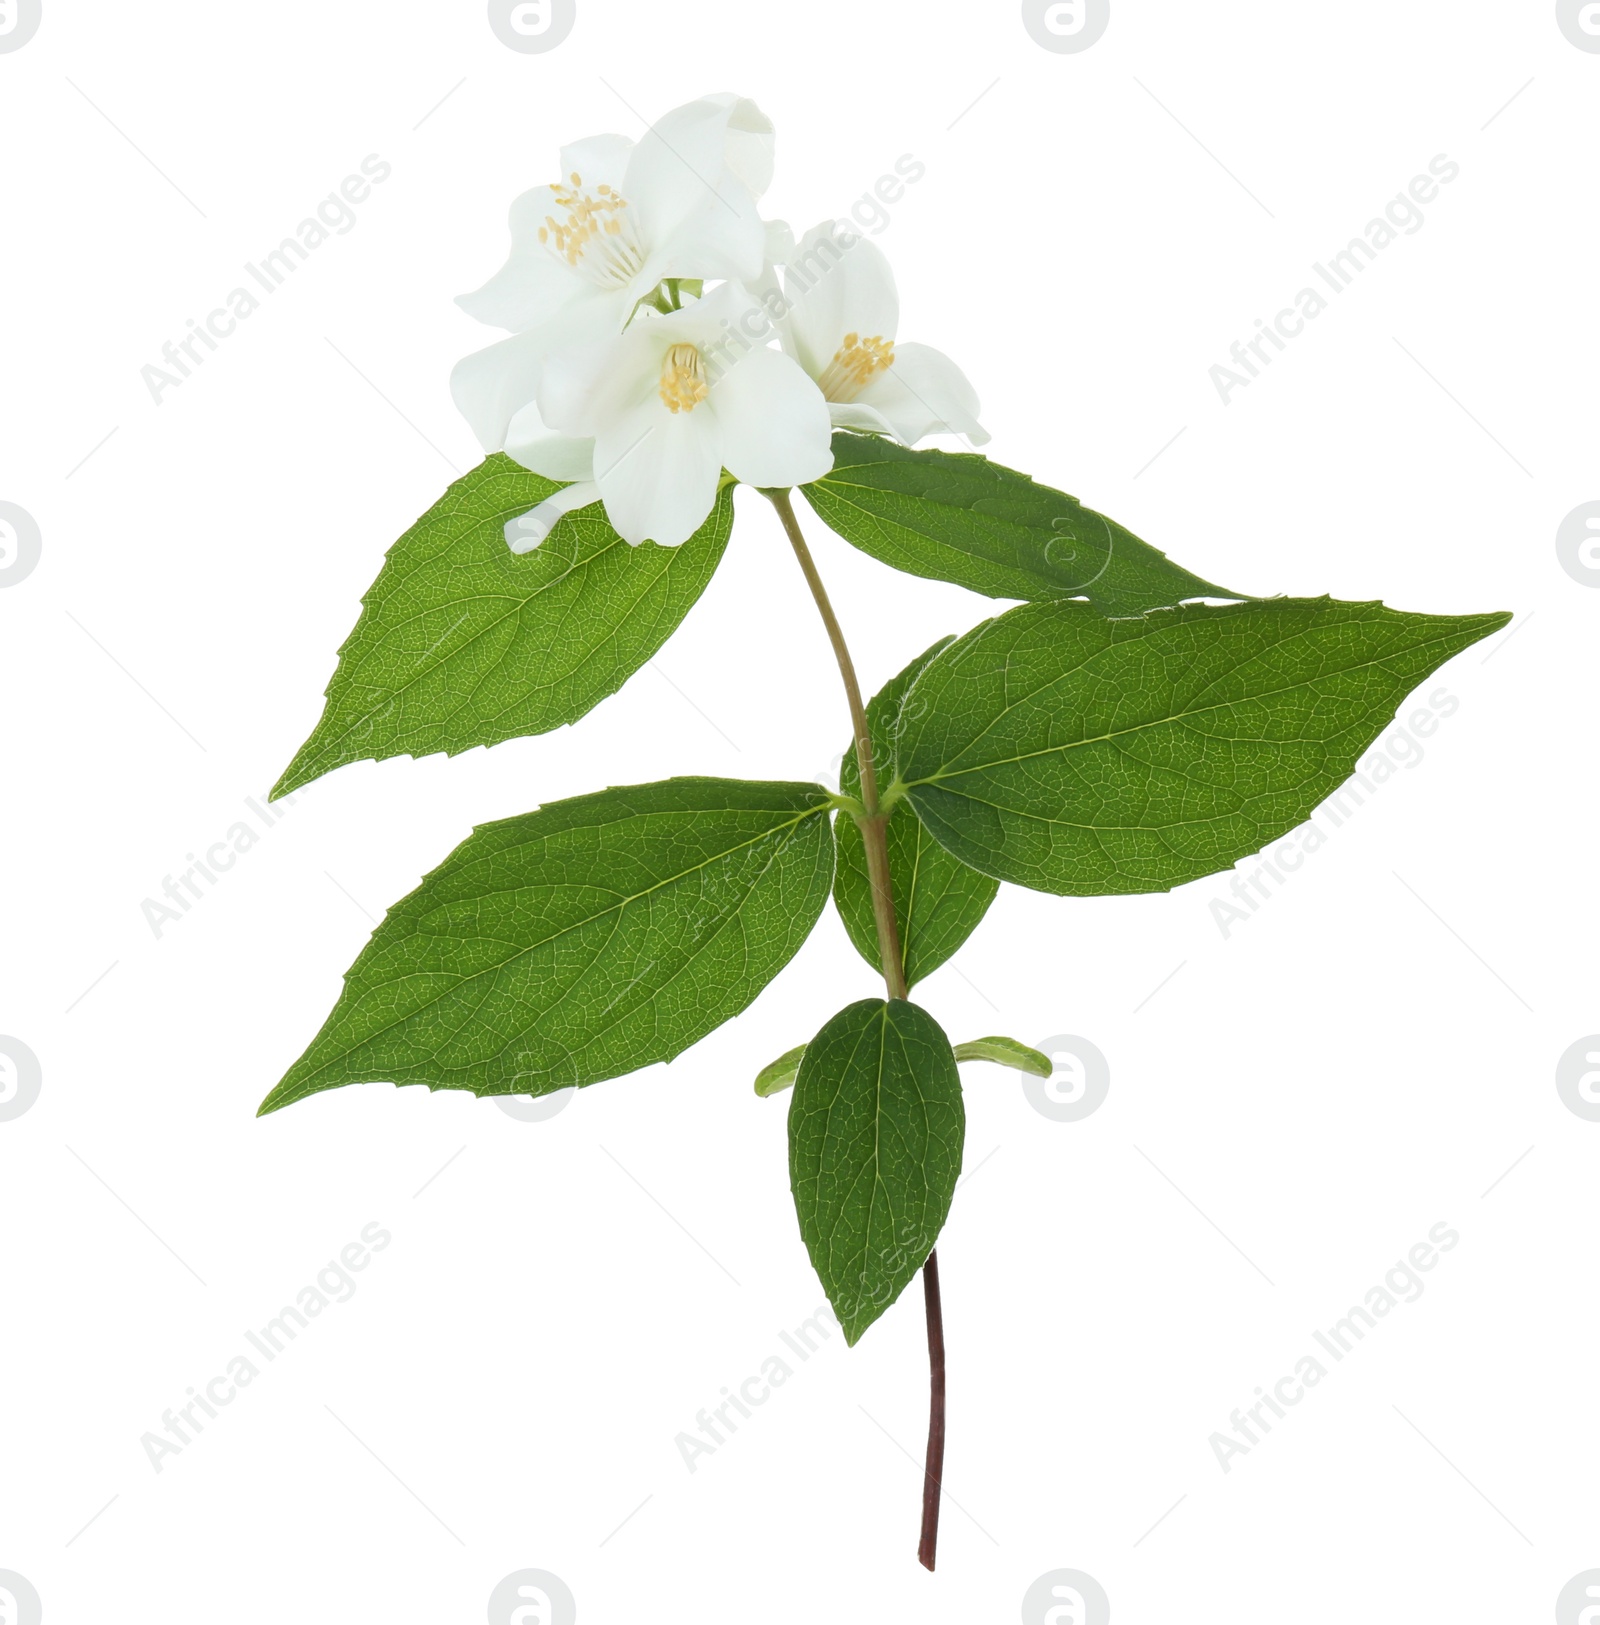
(841, 317)
(625, 216)
(668, 405)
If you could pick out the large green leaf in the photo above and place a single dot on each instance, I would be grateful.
(938, 900)
(1074, 754)
(875, 1133)
(959, 517)
(462, 642)
(587, 939)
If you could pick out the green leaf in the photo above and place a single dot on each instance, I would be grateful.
(462, 642)
(1084, 756)
(1006, 1052)
(958, 517)
(875, 1133)
(779, 1075)
(938, 900)
(587, 939)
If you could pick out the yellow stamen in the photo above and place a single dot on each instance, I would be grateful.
(855, 364)
(581, 237)
(683, 378)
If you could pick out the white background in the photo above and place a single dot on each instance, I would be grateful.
(1293, 1109)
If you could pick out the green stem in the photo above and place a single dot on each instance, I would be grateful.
(873, 823)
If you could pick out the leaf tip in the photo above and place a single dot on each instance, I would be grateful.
(283, 1093)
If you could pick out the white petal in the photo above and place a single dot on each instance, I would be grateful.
(717, 133)
(491, 386)
(836, 283)
(752, 145)
(726, 308)
(721, 239)
(658, 472)
(533, 284)
(779, 243)
(525, 534)
(863, 419)
(772, 421)
(690, 178)
(925, 393)
(583, 385)
(766, 289)
(545, 451)
(601, 160)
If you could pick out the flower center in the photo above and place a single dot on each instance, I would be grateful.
(595, 234)
(683, 378)
(855, 364)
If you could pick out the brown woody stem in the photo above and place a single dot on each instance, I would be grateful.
(933, 1471)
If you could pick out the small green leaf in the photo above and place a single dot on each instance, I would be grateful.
(875, 1135)
(462, 642)
(1084, 756)
(958, 517)
(1006, 1052)
(938, 900)
(779, 1075)
(579, 942)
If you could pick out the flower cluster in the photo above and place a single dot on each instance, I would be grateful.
(665, 337)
